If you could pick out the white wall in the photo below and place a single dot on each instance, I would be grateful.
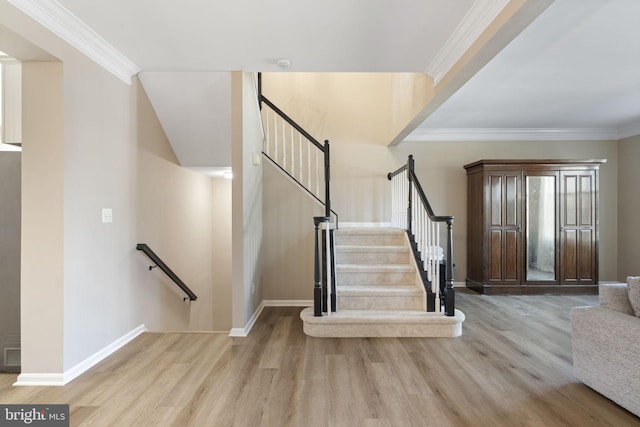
(247, 201)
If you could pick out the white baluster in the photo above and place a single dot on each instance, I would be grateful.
(275, 138)
(328, 272)
(309, 166)
(293, 158)
(300, 156)
(284, 147)
(437, 266)
(318, 175)
(268, 137)
(429, 243)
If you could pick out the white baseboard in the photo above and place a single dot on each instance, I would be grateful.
(46, 379)
(364, 224)
(243, 332)
(288, 303)
(40, 380)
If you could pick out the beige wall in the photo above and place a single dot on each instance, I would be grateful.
(93, 142)
(174, 215)
(10, 179)
(288, 237)
(629, 207)
(222, 242)
(42, 245)
(367, 108)
(359, 114)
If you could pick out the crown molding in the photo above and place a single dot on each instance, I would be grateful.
(57, 19)
(477, 19)
(514, 134)
(629, 131)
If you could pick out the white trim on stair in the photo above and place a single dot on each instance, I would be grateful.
(288, 303)
(57, 379)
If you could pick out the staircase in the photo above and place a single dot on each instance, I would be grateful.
(380, 293)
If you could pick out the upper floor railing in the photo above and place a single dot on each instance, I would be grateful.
(307, 162)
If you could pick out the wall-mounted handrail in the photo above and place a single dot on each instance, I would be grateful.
(422, 227)
(159, 263)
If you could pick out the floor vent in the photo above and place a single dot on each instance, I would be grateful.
(11, 357)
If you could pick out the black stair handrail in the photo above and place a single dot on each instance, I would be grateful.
(448, 294)
(159, 263)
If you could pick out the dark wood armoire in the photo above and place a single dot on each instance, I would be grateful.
(532, 226)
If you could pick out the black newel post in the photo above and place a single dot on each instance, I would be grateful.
(450, 298)
(317, 270)
(410, 170)
(327, 178)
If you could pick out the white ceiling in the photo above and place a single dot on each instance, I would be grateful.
(574, 73)
(195, 111)
(328, 35)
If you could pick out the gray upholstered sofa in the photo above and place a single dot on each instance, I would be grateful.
(606, 346)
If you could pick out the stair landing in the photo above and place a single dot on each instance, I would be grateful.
(381, 323)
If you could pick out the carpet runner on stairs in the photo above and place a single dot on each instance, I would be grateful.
(379, 291)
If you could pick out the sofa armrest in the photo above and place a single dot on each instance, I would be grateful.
(615, 296)
(606, 353)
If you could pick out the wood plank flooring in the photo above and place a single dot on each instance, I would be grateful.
(511, 367)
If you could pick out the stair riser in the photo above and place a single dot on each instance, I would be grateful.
(365, 279)
(372, 258)
(380, 303)
(383, 330)
(370, 239)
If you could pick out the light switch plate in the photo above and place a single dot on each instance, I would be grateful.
(107, 215)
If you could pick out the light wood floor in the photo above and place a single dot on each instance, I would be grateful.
(511, 367)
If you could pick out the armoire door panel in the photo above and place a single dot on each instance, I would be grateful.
(495, 255)
(569, 258)
(495, 204)
(586, 202)
(511, 201)
(586, 258)
(511, 255)
(570, 216)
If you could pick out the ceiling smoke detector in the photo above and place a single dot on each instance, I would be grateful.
(284, 64)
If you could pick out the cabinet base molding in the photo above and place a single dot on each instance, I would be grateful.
(532, 289)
